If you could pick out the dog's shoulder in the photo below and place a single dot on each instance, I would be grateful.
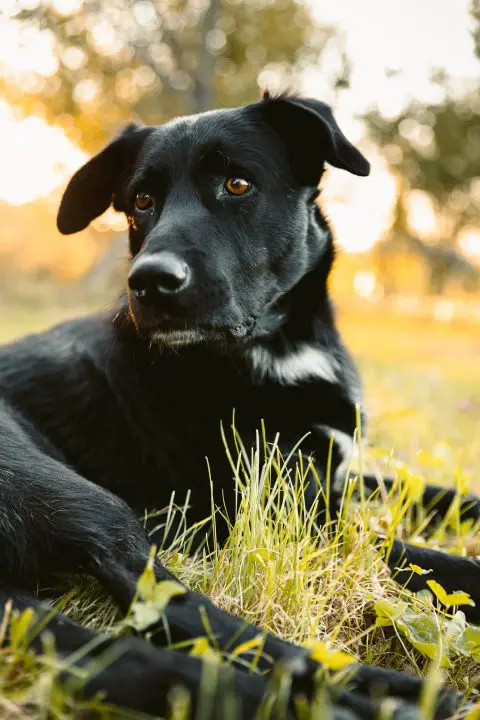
(58, 341)
(55, 384)
(56, 357)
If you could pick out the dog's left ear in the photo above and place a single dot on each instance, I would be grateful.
(92, 189)
(312, 136)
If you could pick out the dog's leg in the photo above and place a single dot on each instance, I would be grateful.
(132, 673)
(193, 615)
(436, 499)
(56, 521)
(53, 520)
(450, 571)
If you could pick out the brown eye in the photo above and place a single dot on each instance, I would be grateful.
(237, 186)
(143, 201)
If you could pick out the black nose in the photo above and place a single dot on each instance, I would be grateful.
(160, 274)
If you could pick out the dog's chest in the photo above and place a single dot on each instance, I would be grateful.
(183, 417)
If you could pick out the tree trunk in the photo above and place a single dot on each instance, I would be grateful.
(203, 94)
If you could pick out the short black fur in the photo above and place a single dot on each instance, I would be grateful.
(226, 310)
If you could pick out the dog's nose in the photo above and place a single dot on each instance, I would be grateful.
(159, 274)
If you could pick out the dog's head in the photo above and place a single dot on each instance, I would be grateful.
(222, 214)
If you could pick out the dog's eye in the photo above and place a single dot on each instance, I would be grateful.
(237, 186)
(143, 201)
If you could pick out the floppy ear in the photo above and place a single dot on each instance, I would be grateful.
(90, 191)
(312, 136)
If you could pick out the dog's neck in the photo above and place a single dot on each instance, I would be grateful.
(305, 347)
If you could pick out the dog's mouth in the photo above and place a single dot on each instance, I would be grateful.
(173, 333)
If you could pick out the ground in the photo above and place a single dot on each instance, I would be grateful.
(422, 389)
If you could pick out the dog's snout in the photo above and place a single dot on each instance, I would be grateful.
(158, 274)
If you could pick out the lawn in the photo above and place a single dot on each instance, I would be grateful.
(422, 390)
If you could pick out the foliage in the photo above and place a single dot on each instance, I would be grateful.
(435, 635)
(152, 598)
(325, 593)
(434, 147)
(437, 150)
(476, 33)
(156, 60)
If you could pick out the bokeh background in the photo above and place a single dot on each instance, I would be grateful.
(404, 79)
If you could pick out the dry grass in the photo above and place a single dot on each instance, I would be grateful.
(423, 394)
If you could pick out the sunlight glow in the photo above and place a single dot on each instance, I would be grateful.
(469, 242)
(444, 310)
(421, 214)
(393, 47)
(364, 283)
(23, 50)
(360, 208)
(36, 157)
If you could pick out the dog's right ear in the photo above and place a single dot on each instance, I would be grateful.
(311, 135)
(90, 191)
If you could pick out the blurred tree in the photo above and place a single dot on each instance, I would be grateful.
(435, 148)
(476, 32)
(155, 59)
(103, 62)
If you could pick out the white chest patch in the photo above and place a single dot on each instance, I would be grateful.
(303, 362)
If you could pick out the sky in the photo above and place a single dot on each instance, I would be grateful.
(412, 36)
(408, 36)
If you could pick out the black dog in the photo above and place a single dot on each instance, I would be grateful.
(227, 309)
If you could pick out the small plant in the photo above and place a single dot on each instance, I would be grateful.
(326, 588)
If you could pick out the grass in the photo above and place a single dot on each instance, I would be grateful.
(423, 396)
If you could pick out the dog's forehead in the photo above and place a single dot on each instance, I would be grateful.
(236, 131)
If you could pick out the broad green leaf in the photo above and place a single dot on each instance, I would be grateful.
(472, 640)
(454, 599)
(201, 648)
(418, 570)
(165, 590)
(460, 598)
(146, 613)
(420, 629)
(388, 612)
(423, 633)
(329, 657)
(147, 583)
(143, 616)
(454, 630)
(425, 596)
